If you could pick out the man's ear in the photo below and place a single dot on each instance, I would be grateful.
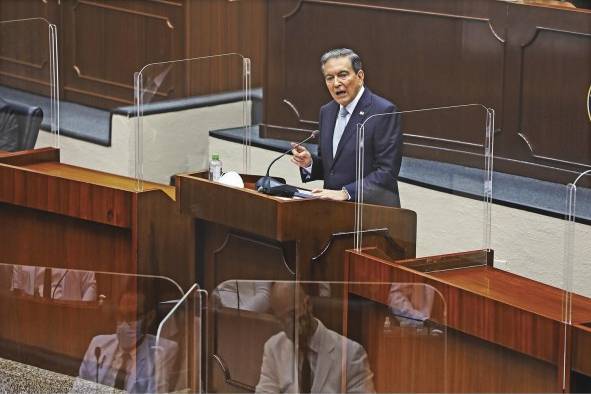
(361, 75)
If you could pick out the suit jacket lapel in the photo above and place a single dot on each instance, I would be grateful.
(325, 361)
(357, 117)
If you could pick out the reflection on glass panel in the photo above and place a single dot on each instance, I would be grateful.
(97, 327)
(308, 341)
(54, 283)
(28, 84)
(175, 117)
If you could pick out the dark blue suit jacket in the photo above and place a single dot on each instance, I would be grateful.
(382, 151)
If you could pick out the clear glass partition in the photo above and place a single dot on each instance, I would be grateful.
(29, 85)
(446, 207)
(175, 117)
(577, 251)
(285, 336)
(100, 330)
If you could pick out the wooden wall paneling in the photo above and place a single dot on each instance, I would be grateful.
(106, 42)
(526, 61)
(218, 27)
(417, 58)
(24, 46)
(548, 76)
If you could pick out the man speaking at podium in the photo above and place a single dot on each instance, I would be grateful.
(353, 104)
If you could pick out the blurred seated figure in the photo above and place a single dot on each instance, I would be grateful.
(54, 283)
(328, 362)
(130, 359)
(411, 303)
(5, 277)
(9, 129)
(244, 295)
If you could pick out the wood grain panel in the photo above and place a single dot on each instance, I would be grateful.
(65, 196)
(581, 362)
(219, 27)
(165, 238)
(519, 320)
(109, 42)
(405, 359)
(499, 320)
(32, 237)
(555, 126)
(438, 65)
(24, 46)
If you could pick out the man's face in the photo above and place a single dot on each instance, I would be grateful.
(294, 318)
(341, 80)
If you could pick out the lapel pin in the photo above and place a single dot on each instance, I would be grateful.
(361, 113)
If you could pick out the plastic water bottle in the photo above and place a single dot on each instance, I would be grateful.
(215, 168)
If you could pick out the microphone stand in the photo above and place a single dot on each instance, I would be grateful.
(263, 185)
(97, 354)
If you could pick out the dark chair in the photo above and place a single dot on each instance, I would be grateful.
(29, 119)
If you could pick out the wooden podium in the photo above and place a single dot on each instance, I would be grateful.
(243, 234)
(246, 235)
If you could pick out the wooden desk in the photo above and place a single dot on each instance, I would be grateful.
(505, 333)
(61, 216)
(58, 215)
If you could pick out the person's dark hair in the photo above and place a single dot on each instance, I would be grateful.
(342, 52)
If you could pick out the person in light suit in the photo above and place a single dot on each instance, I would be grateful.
(66, 285)
(353, 104)
(328, 362)
(130, 359)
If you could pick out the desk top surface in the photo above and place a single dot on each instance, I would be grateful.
(96, 177)
(517, 291)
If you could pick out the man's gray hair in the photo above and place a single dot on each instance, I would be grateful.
(342, 52)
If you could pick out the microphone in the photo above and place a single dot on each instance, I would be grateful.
(97, 355)
(266, 183)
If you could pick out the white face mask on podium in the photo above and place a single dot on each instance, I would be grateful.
(232, 178)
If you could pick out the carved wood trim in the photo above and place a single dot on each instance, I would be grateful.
(80, 74)
(23, 78)
(522, 135)
(94, 94)
(38, 66)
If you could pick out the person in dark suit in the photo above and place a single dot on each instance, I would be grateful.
(9, 130)
(353, 104)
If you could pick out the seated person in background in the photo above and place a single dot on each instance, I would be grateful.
(129, 359)
(320, 354)
(411, 303)
(244, 295)
(71, 285)
(9, 130)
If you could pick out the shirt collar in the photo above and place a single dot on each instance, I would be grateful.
(351, 106)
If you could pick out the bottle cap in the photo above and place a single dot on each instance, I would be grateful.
(215, 156)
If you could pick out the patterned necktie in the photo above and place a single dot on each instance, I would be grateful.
(122, 372)
(339, 129)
